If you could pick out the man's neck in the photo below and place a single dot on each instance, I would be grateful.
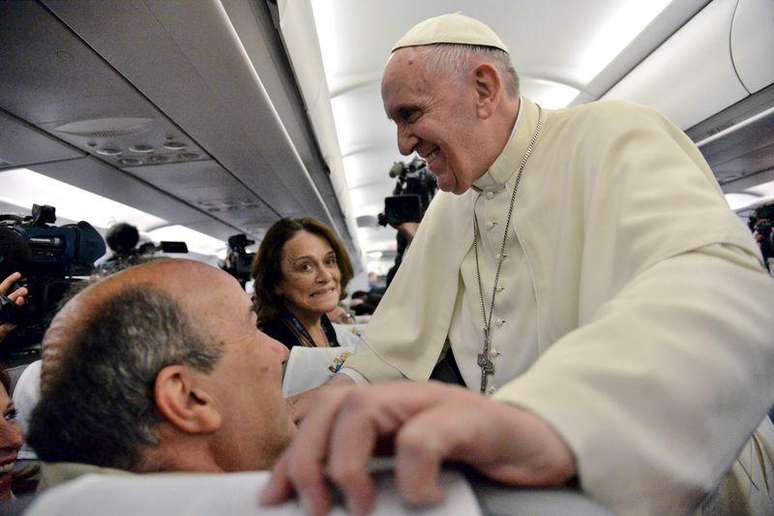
(508, 119)
(181, 457)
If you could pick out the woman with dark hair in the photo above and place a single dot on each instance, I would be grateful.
(299, 273)
(10, 436)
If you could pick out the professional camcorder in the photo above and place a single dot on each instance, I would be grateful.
(122, 238)
(238, 261)
(49, 258)
(412, 194)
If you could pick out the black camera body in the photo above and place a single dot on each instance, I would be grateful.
(49, 259)
(412, 194)
(238, 261)
(33, 245)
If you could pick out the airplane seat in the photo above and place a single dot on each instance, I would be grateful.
(15, 373)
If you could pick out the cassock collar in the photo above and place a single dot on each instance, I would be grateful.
(508, 161)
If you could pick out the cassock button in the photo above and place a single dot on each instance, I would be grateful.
(497, 256)
(491, 390)
(490, 195)
(500, 289)
(491, 224)
(500, 322)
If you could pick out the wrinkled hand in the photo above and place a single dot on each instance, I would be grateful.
(302, 403)
(426, 424)
(18, 296)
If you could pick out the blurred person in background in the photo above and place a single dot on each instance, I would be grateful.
(10, 437)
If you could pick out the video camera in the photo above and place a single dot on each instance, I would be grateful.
(49, 259)
(238, 261)
(122, 238)
(412, 194)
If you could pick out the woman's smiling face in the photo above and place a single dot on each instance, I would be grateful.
(311, 279)
(10, 443)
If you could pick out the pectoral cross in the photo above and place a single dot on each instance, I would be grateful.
(485, 362)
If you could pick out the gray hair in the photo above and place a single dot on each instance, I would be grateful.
(98, 406)
(455, 59)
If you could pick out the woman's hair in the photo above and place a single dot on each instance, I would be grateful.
(267, 266)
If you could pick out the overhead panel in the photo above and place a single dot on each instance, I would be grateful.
(22, 144)
(207, 186)
(98, 177)
(57, 83)
(738, 142)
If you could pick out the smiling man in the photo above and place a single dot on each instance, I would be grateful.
(160, 368)
(583, 271)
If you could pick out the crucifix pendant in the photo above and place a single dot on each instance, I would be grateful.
(487, 368)
(485, 362)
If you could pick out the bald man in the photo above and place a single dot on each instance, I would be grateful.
(160, 368)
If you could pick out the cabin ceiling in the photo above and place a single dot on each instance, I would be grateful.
(128, 99)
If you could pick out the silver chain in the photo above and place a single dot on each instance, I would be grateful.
(485, 357)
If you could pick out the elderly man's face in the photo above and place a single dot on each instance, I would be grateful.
(435, 117)
(247, 383)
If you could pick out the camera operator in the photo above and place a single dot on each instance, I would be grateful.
(18, 297)
(410, 198)
(123, 239)
(239, 261)
(761, 225)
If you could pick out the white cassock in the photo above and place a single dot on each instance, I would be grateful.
(634, 314)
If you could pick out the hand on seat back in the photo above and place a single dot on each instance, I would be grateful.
(426, 424)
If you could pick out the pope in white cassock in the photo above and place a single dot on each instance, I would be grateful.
(586, 274)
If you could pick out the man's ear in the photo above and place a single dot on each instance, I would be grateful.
(184, 402)
(488, 86)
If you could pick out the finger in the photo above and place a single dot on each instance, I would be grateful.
(278, 488)
(5, 285)
(18, 296)
(301, 404)
(420, 448)
(305, 456)
(352, 444)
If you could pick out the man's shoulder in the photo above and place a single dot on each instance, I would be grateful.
(56, 473)
(614, 113)
(597, 124)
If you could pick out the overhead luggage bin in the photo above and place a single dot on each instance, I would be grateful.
(752, 43)
(691, 75)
